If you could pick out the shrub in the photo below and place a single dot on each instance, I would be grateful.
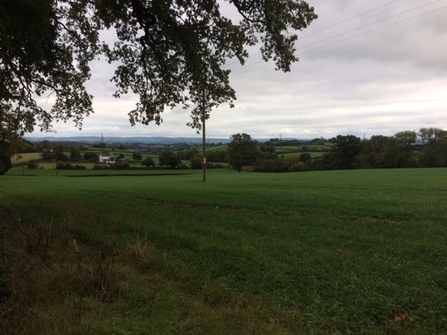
(300, 168)
(69, 166)
(196, 162)
(183, 167)
(215, 166)
(90, 156)
(5, 163)
(271, 165)
(119, 166)
(63, 166)
(305, 158)
(148, 163)
(79, 167)
(31, 165)
(100, 167)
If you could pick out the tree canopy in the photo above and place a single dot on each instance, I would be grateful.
(168, 52)
(169, 159)
(148, 162)
(242, 151)
(10, 141)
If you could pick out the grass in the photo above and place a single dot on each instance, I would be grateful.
(48, 170)
(215, 147)
(335, 252)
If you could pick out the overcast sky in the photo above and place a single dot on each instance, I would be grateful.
(366, 68)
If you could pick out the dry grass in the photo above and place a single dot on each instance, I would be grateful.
(24, 158)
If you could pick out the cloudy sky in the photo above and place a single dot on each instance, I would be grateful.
(366, 68)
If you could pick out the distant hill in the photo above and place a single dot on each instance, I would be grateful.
(107, 139)
(143, 139)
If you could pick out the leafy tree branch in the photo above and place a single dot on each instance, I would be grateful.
(169, 53)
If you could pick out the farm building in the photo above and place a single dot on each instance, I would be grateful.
(106, 157)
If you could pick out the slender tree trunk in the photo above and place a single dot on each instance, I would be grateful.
(204, 139)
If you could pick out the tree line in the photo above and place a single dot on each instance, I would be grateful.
(405, 149)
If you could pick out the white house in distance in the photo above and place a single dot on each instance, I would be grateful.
(105, 157)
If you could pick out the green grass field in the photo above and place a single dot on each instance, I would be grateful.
(334, 252)
(215, 148)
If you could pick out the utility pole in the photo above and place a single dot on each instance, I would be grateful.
(204, 136)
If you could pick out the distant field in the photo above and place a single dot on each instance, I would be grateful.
(309, 147)
(314, 150)
(333, 252)
(216, 147)
(23, 158)
(296, 154)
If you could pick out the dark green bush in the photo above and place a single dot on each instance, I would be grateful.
(31, 165)
(100, 167)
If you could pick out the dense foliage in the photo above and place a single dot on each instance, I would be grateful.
(405, 149)
(242, 151)
(148, 162)
(10, 140)
(167, 52)
(169, 159)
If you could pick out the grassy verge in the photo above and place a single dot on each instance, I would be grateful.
(338, 252)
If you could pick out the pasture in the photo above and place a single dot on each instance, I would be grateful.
(333, 252)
